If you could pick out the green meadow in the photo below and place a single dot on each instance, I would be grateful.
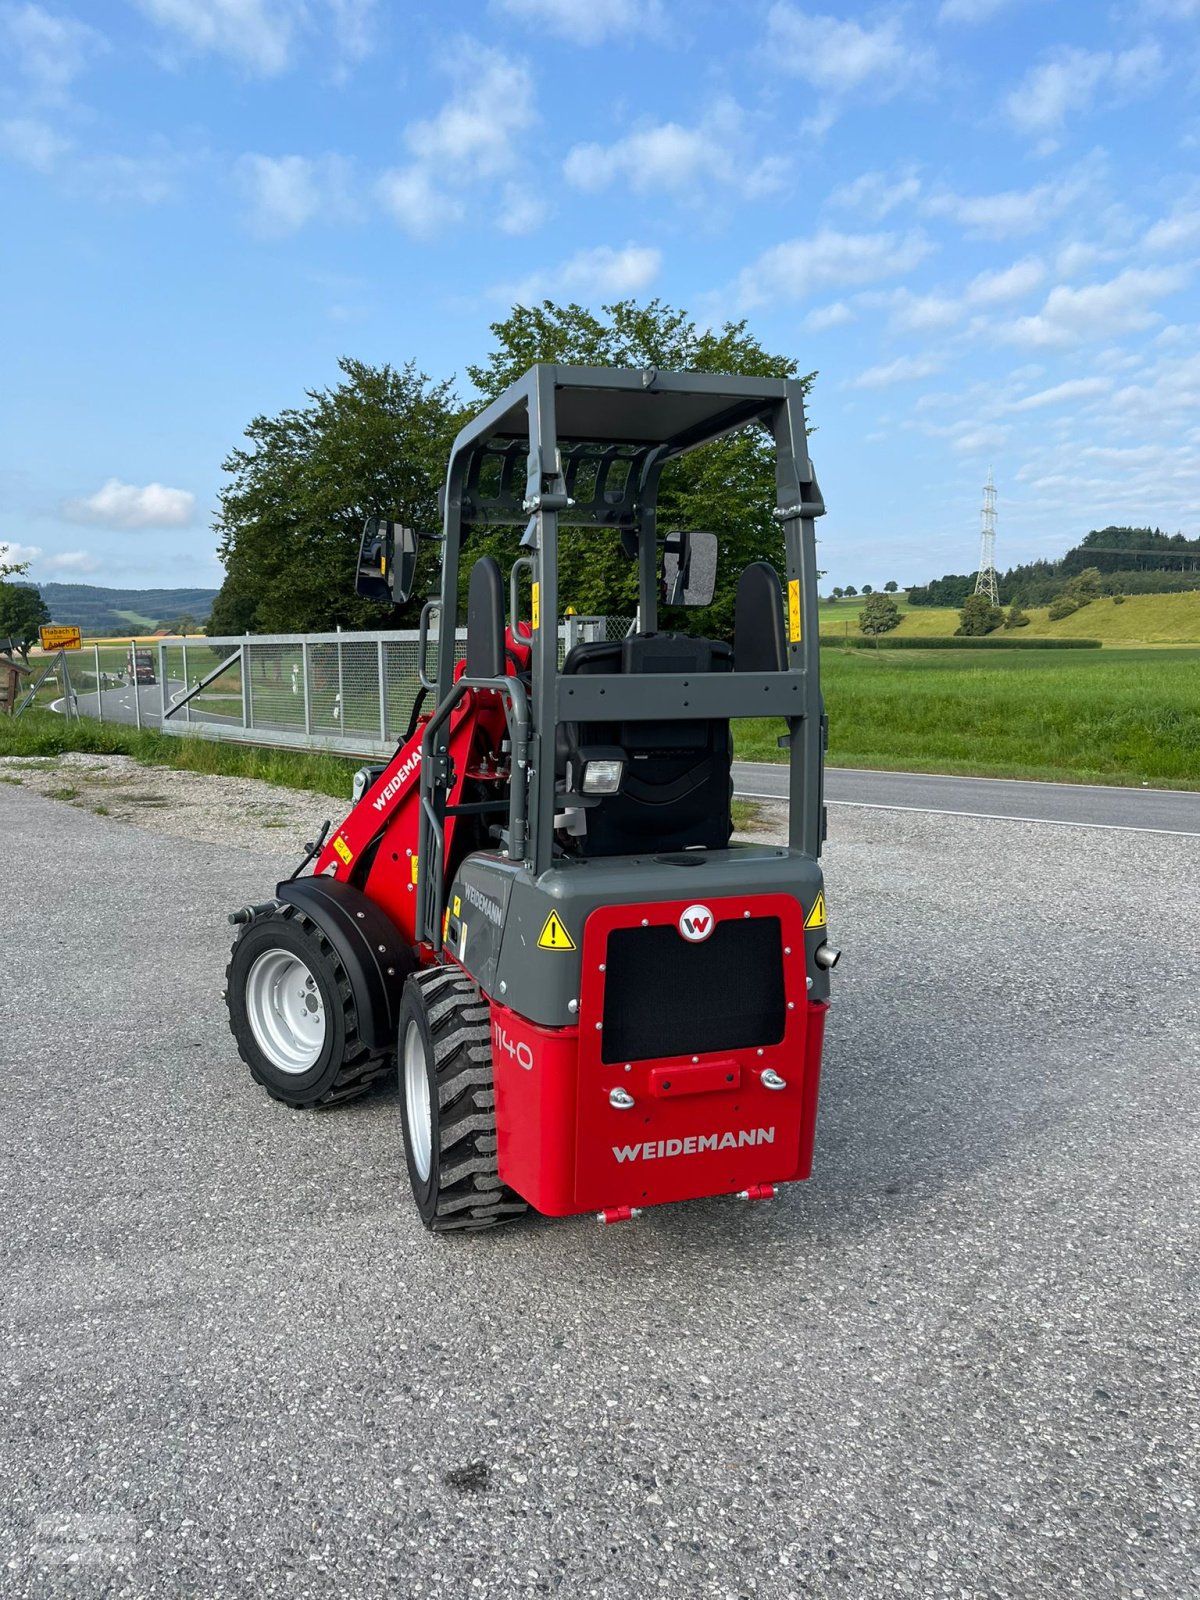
(1088, 716)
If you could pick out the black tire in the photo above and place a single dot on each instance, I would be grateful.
(346, 1066)
(450, 1022)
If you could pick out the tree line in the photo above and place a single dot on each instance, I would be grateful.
(376, 442)
(1128, 561)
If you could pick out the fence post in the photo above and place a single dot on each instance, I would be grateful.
(187, 684)
(383, 717)
(341, 699)
(64, 683)
(304, 671)
(247, 693)
(99, 691)
(137, 699)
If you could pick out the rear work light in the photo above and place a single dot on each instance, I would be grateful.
(602, 777)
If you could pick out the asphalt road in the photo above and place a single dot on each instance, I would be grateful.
(1080, 805)
(961, 1361)
(117, 704)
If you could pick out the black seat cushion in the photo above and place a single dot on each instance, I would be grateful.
(676, 791)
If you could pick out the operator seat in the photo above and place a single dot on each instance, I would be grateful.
(676, 792)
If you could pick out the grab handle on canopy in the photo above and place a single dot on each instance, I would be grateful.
(427, 611)
(519, 632)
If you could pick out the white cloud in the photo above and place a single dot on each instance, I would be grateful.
(840, 56)
(835, 315)
(828, 259)
(32, 142)
(124, 505)
(472, 138)
(17, 555)
(472, 135)
(261, 35)
(49, 50)
(286, 192)
(1072, 389)
(669, 156)
(1098, 310)
(876, 194)
(590, 275)
(1012, 212)
(1009, 283)
(1178, 231)
(70, 561)
(904, 369)
(257, 33)
(984, 441)
(420, 207)
(587, 22)
(354, 28)
(1070, 80)
(522, 212)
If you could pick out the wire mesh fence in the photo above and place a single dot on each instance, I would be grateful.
(354, 692)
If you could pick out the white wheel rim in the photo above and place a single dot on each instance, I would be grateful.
(285, 1011)
(416, 1101)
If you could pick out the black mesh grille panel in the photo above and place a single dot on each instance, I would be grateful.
(666, 997)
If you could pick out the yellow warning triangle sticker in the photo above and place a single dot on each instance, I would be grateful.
(554, 936)
(816, 917)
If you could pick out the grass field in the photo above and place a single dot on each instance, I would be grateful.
(1112, 716)
(1101, 716)
(1143, 619)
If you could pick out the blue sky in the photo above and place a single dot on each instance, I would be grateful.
(979, 220)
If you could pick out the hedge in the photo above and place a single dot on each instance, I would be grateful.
(988, 642)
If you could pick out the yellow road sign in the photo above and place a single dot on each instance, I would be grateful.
(61, 638)
(816, 917)
(554, 936)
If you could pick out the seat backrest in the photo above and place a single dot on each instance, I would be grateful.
(758, 639)
(676, 791)
(485, 620)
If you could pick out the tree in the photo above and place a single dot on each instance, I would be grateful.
(867, 589)
(880, 615)
(1064, 606)
(891, 586)
(838, 592)
(1016, 618)
(22, 609)
(978, 617)
(728, 487)
(184, 625)
(851, 591)
(292, 512)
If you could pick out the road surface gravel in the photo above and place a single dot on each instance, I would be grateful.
(961, 1361)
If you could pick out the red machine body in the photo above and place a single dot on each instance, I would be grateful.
(698, 1125)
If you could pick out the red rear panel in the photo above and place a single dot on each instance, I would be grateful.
(703, 1121)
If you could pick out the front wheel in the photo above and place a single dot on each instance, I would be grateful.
(448, 1104)
(293, 1014)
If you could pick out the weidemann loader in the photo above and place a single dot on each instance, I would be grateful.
(595, 1000)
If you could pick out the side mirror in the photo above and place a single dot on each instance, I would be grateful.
(387, 562)
(689, 569)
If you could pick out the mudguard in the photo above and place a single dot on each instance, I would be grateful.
(368, 944)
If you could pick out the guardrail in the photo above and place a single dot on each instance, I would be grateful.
(356, 693)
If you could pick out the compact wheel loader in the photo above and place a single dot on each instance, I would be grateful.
(595, 1001)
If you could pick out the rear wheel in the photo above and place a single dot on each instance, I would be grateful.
(293, 1015)
(448, 1104)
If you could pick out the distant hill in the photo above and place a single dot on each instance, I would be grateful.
(102, 611)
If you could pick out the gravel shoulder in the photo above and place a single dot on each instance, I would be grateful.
(961, 1361)
(244, 812)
